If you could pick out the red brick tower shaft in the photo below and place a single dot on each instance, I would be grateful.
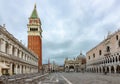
(35, 44)
(35, 36)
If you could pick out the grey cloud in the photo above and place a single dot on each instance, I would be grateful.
(68, 26)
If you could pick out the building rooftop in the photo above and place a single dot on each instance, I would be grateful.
(34, 13)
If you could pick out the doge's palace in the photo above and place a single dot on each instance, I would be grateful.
(105, 57)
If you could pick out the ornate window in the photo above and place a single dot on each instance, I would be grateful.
(89, 57)
(18, 52)
(108, 49)
(21, 54)
(119, 43)
(7, 48)
(93, 55)
(116, 37)
(33, 29)
(100, 52)
(13, 50)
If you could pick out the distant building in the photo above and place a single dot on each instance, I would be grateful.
(15, 58)
(105, 57)
(77, 64)
(46, 68)
(54, 67)
(60, 68)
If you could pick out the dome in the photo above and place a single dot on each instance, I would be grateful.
(80, 56)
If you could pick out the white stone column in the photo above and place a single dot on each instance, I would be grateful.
(98, 69)
(11, 73)
(29, 70)
(3, 43)
(110, 69)
(23, 69)
(105, 68)
(0, 44)
(16, 52)
(10, 49)
(118, 60)
(26, 57)
(20, 53)
(114, 69)
(101, 69)
(26, 70)
(33, 70)
(23, 56)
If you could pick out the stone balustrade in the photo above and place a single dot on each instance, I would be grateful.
(22, 78)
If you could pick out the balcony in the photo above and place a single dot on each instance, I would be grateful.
(107, 54)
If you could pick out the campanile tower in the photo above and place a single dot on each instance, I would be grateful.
(35, 35)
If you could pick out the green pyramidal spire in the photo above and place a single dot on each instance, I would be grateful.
(34, 13)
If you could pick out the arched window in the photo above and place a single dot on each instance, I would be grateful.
(33, 29)
(116, 37)
(113, 59)
(18, 52)
(110, 59)
(89, 57)
(119, 57)
(93, 55)
(13, 50)
(100, 52)
(7, 48)
(119, 43)
(108, 49)
(21, 54)
(116, 59)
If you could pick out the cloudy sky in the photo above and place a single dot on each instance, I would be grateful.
(69, 26)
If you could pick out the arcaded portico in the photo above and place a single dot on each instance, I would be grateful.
(105, 57)
(15, 55)
(77, 64)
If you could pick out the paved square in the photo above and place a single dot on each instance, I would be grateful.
(82, 78)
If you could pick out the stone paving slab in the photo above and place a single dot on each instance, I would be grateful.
(82, 78)
(92, 78)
